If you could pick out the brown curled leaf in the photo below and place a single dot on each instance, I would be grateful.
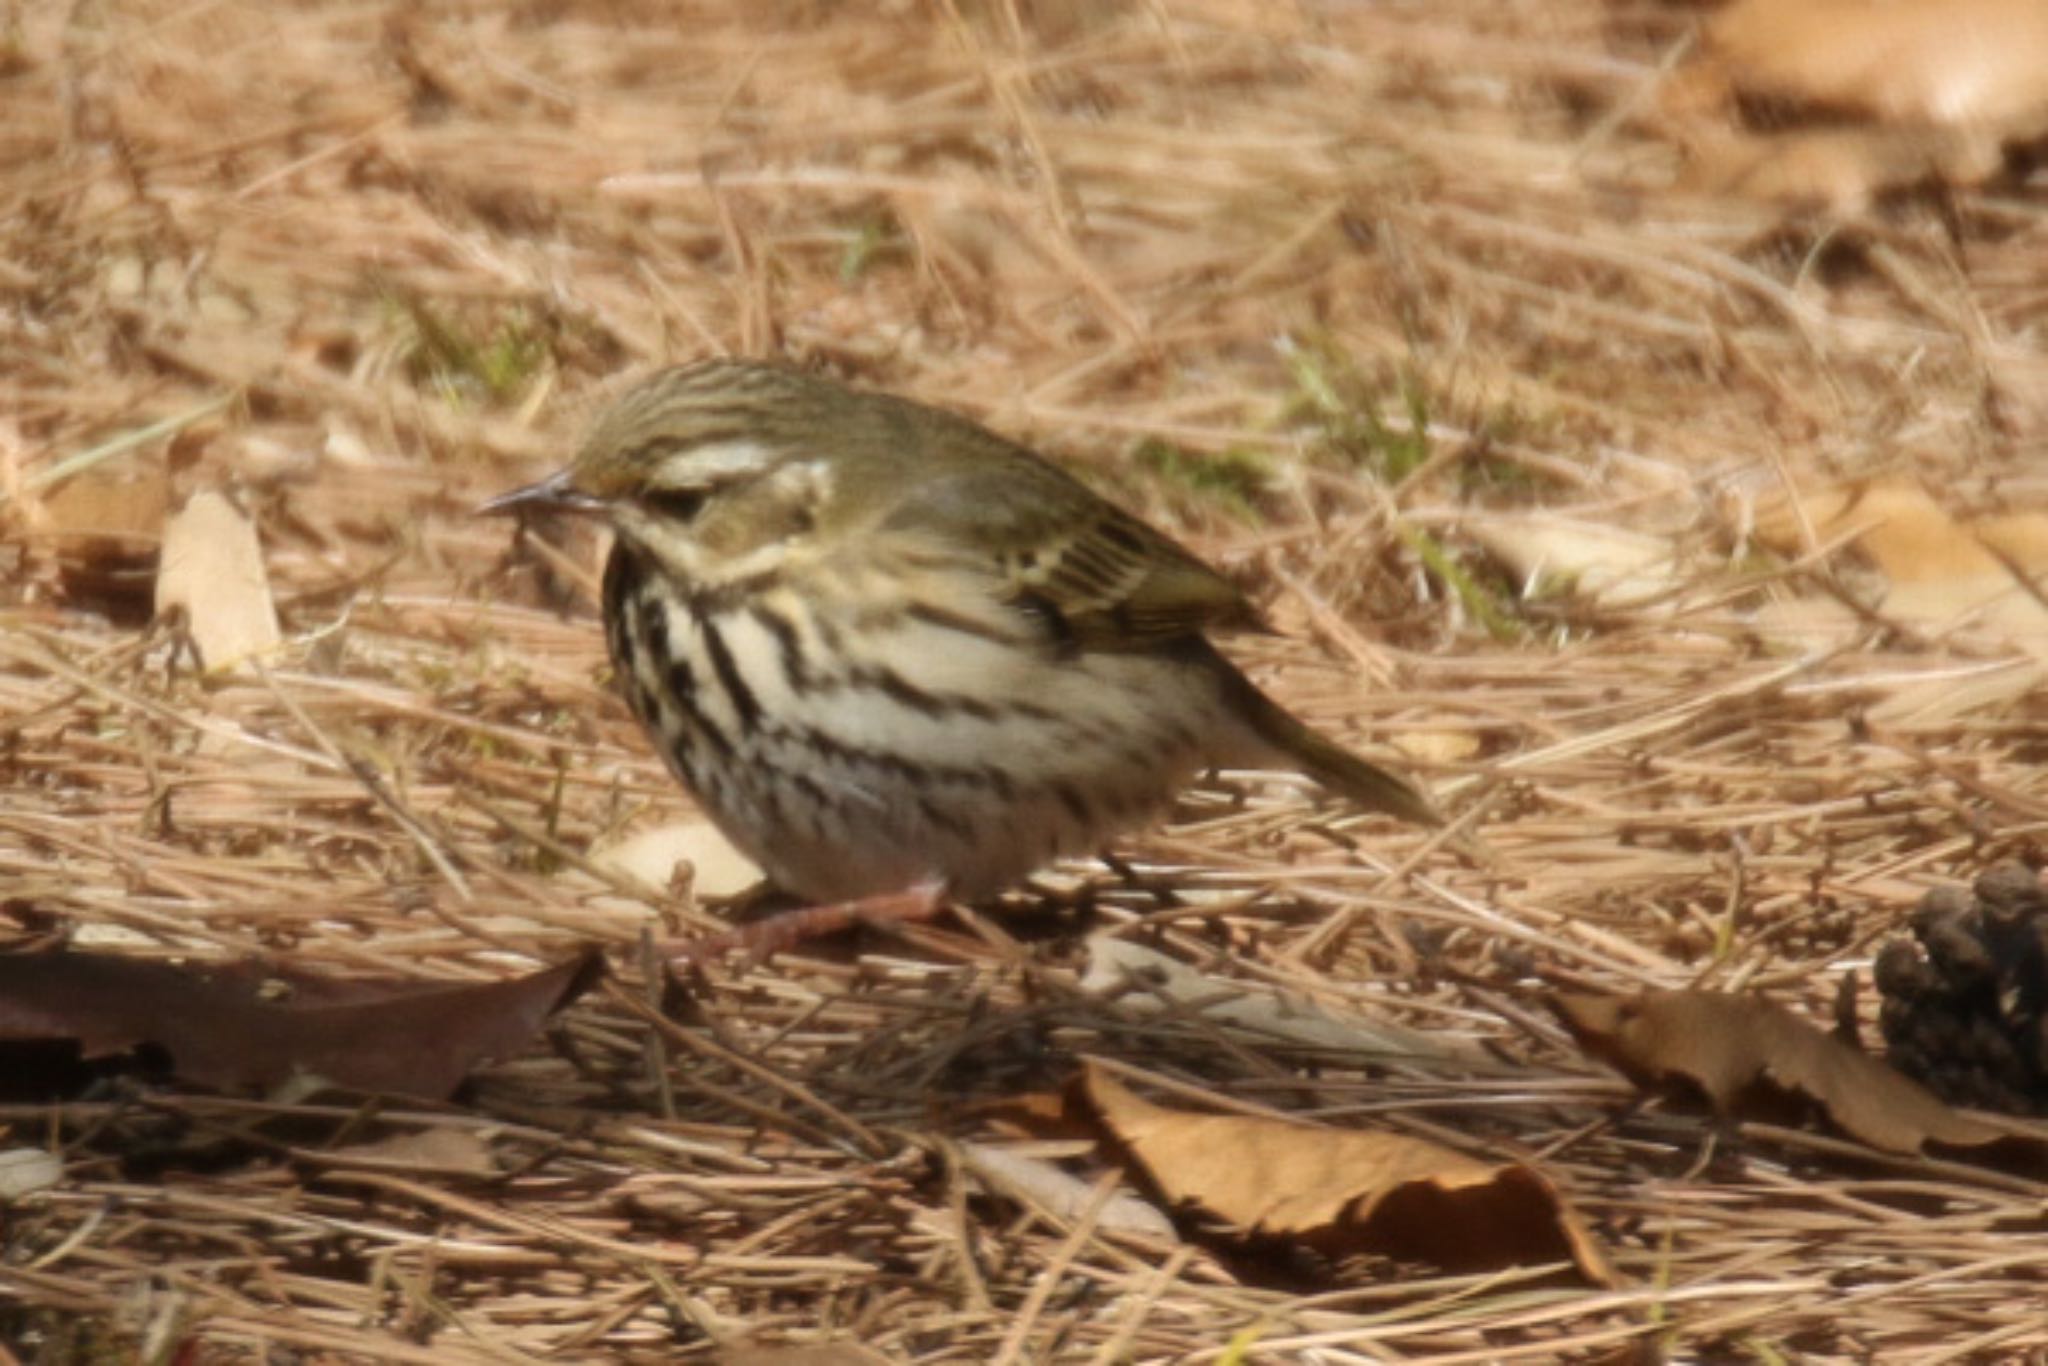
(1746, 1055)
(1345, 1190)
(251, 1026)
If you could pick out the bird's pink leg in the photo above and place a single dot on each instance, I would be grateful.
(787, 929)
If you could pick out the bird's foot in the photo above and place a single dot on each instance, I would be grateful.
(786, 929)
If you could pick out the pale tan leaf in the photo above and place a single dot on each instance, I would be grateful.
(1939, 571)
(212, 571)
(653, 855)
(1841, 169)
(2019, 539)
(1905, 533)
(1437, 746)
(100, 505)
(1601, 563)
(1939, 62)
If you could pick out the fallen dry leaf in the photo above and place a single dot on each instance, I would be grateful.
(1842, 169)
(651, 855)
(97, 505)
(1747, 1054)
(1898, 92)
(1347, 1190)
(102, 532)
(249, 1026)
(1598, 562)
(1442, 746)
(1940, 570)
(1908, 536)
(212, 571)
(2019, 540)
(1937, 62)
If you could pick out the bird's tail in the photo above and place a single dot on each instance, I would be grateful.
(1328, 762)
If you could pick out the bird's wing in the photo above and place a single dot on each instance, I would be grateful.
(1100, 578)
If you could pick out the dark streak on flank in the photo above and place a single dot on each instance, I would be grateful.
(816, 802)
(827, 626)
(904, 693)
(937, 705)
(682, 694)
(819, 802)
(621, 605)
(650, 626)
(860, 756)
(745, 705)
(789, 646)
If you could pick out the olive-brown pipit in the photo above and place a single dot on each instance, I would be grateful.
(892, 652)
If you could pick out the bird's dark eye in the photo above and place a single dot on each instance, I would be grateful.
(676, 504)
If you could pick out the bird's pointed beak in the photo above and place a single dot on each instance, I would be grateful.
(556, 493)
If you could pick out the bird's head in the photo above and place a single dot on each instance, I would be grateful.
(706, 463)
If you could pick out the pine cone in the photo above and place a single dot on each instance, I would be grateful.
(1965, 1001)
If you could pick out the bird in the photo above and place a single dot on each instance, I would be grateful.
(898, 658)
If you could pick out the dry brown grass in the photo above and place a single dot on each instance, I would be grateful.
(1094, 226)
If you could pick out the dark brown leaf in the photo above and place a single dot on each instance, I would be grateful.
(251, 1026)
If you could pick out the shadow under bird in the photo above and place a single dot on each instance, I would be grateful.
(897, 657)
